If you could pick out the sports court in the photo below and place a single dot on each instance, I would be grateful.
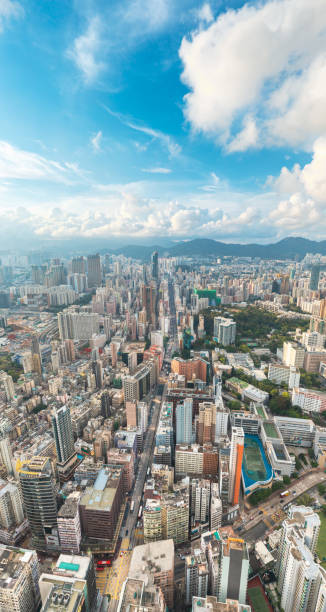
(255, 467)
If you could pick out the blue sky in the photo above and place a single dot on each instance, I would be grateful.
(143, 119)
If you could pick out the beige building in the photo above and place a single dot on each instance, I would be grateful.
(188, 459)
(19, 590)
(154, 564)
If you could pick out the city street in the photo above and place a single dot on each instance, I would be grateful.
(270, 513)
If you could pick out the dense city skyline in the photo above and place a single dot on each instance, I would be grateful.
(147, 119)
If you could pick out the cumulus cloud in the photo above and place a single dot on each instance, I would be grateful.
(9, 10)
(265, 61)
(87, 49)
(309, 180)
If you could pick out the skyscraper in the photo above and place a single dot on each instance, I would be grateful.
(184, 422)
(36, 355)
(314, 278)
(236, 455)
(63, 435)
(78, 265)
(94, 273)
(148, 295)
(154, 265)
(37, 486)
(300, 579)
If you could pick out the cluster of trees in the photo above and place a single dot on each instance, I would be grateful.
(262, 494)
(255, 323)
(11, 367)
(280, 405)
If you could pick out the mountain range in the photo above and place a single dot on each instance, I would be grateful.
(287, 248)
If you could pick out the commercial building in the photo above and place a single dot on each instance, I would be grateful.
(224, 330)
(94, 272)
(8, 385)
(188, 459)
(64, 442)
(154, 564)
(39, 497)
(235, 465)
(19, 589)
(100, 504)
(184, 431)
(200, 491)
(289, 375)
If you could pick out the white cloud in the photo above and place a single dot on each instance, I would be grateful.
(9, 10)
(87, 51)
(96, 141)
(157, 170)
(167, 141)
(266, 61)
(147, 14)
(297, 214)
(205, 13)
(19, 164)
(309, 180)
(246, 138)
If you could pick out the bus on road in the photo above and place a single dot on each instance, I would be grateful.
(285, 493)
(140, 512)
(132, 505)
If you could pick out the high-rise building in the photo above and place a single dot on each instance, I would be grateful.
(224, 330)
(11, 507)
(236, 455)
(206, 422)
(76, 325)
(78, 265)
(69, 529)
(8, 385)
(154, 265)
(94, 272)
(36, 355)
(293, 354)
(196, 573)
(148, 296)
(184, 431)
(19, 589)
(314, 277)
(200, 499)
(216, 510)
(6, 457)
(63, 435)
(300, 578)
(39, 497)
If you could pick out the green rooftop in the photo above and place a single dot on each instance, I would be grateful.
(238, 382)
(261, 412)
(270, 430)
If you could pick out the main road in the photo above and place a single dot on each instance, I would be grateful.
(119, 571)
